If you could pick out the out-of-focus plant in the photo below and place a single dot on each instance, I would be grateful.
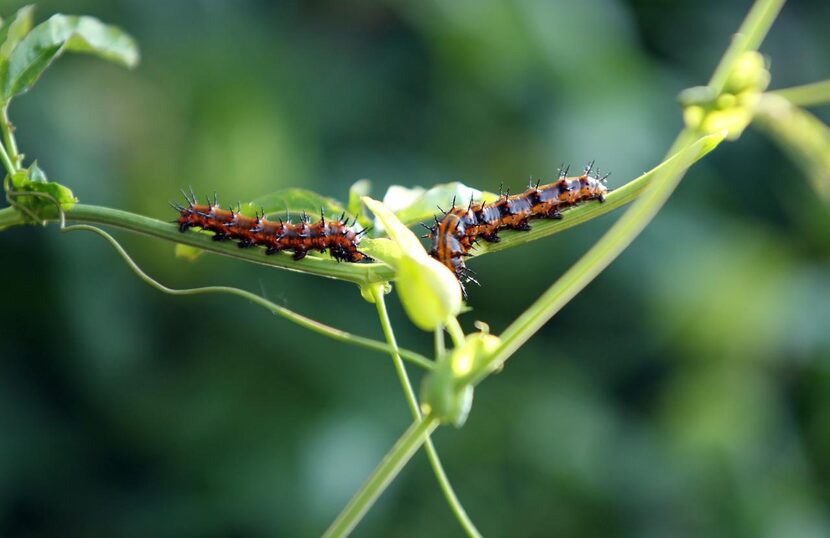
(734, 99)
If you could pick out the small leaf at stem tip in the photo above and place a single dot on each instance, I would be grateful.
(49, 39)
(37, 174)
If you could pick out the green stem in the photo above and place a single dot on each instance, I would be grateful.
(606, 250)
(440, 347)
(817, 93)
(414, 408)
(358, 273)
(8, 136)
(7, 162)
(749, 37)
(579, 214)
(634, 220)
(290, 315)
(457, 335)
(382, 476)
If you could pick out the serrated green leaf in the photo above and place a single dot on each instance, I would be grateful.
(803, 136)
(294, 202)
(60, 33)
(418, 205)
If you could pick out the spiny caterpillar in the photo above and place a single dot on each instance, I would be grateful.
(456, 232)
(334, 235)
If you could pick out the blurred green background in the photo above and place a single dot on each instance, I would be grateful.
(686, 392)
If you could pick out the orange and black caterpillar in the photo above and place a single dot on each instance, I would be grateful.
(455, 232)
(334, 235)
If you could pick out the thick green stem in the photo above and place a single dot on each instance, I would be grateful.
(606, 250)
(412, 401)
(389, 467)
(634, 220)
(357, 273)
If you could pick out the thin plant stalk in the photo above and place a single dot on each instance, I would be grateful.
(412, 401)
(389, 467)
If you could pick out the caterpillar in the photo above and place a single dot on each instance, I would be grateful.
(457, 231)
(335, 235)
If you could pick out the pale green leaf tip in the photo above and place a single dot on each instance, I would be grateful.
(429, 292)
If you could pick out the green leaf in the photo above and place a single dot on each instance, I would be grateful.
(15, 30)
(40, 206)
(418, 205)
(187, 252)
(36, 174)
(429, 292)
(293, 201)
(382, 249)
(359, 189)
(60, 33)
(803, 136)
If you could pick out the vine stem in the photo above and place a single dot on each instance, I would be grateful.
(750, 35)
(389, 467)
(412, 401)
(7, 162)
(8, 136)
(290, 315)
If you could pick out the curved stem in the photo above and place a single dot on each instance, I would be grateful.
(382, 476)
(412, 401)
(290, 315)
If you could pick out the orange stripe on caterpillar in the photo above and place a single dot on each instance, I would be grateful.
(457, 230)
(336, 236)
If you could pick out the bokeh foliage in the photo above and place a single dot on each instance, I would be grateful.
(683, 393)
